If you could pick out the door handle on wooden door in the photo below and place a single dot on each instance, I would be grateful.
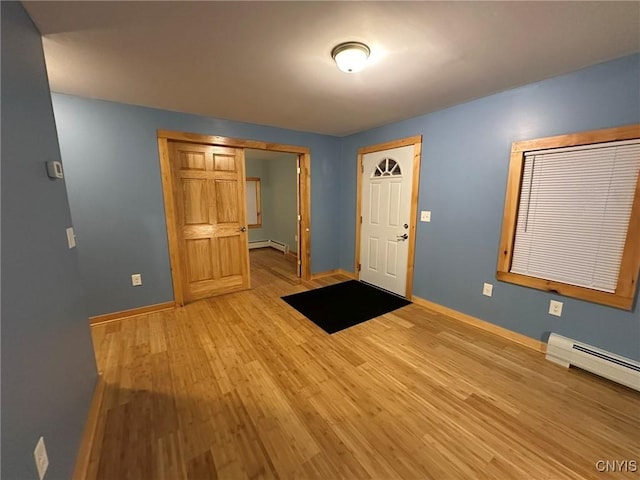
(243, 229)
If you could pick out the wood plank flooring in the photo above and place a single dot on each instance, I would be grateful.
(243, 386)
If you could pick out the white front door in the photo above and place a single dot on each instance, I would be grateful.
(386, 209)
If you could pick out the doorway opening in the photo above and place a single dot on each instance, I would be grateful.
(204, 182)
(273, 205)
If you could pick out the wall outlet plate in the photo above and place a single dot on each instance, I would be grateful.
(425, 216)
(136, 279)
(42, 460)
(487, 289)
(555, 308)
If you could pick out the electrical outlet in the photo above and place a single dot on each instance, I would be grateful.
(487, 289)
(555, 308)
(136, 279)
(425, 216)
(42, 460)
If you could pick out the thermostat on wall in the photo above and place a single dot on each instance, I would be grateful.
(54, 169)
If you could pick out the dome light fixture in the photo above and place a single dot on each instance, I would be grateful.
(350, 57)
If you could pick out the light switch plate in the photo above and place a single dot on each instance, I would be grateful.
(41, 458)
(487, 289)
(425, 216)
(71, 237)
(555, 308)
(136, 279)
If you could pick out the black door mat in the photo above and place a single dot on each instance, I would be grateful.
(344, 305)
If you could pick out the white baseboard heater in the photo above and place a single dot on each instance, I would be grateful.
(283, 247)
(566, 351)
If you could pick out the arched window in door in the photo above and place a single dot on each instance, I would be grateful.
(387, 167)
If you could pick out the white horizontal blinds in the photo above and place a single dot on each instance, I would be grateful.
(574, 211)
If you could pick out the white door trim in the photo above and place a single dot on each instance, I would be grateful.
(416, 141)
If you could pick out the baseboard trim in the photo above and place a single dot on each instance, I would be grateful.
(346, 273)
(88, 436)
(515, 337)
(259, 244)
(327, 273)
(280, 246)
(112, 317)
(334, 271)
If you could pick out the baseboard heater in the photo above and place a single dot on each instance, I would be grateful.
(566, 351)
(283, 247)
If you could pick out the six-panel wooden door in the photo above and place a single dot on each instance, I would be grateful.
(209, 198)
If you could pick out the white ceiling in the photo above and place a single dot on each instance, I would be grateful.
(270, 63)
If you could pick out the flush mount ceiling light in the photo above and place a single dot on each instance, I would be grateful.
(350, 56)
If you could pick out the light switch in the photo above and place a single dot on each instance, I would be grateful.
(487, 289)
(41, 457)
(425, 216)
(71, 237)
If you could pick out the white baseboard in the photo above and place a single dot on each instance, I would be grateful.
(259, 244)
(269, 243)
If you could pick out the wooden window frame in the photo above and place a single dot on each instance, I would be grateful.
(258, 203)
(624, 295)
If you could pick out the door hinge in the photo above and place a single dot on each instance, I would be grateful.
(361, 167)
(299, 218)
(359, 267)
(360, 218)
(298, 171)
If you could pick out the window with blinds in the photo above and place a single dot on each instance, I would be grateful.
(572, 216)
(574, 211)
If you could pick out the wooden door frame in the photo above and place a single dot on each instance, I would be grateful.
(416, 141)
(304, 153)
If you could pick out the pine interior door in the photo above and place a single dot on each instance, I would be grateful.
(387, 178)
(209, 194)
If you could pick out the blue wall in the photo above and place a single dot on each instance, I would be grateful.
(283, 211)
(110, 155)
(48, 367)
(465, 157)
(278, 185)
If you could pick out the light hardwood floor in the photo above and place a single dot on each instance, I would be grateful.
(243, 386)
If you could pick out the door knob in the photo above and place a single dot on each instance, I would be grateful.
(243, 229)
(402, 237)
